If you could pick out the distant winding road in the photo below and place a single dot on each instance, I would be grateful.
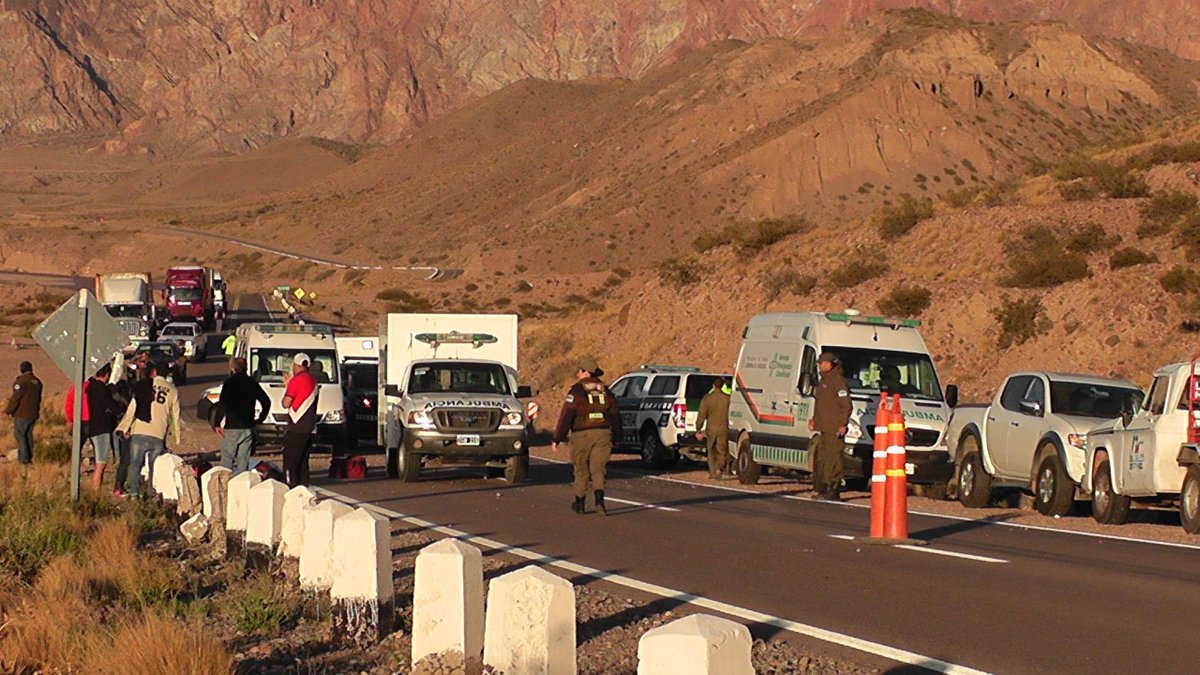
(435, 273)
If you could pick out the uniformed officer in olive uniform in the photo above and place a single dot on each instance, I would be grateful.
(712, 427)
(831, 415)
(591, 417)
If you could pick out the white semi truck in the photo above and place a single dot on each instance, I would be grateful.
(128, 297)
(448, 391)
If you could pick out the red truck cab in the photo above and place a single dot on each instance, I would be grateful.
(188, 295)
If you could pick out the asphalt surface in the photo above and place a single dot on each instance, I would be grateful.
(978, 595)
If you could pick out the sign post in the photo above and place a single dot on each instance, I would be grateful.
(77, 379)
(79, 337)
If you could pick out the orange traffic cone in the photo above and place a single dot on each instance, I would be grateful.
(896, 508)
(878, 471)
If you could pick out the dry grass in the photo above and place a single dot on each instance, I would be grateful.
(154, 643)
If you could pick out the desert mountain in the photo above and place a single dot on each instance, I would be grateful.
(199, 76)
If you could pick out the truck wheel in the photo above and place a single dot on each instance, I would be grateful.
(1189, 501)
(1108, 507)
(974, 484)
(1053, 493)
(515, 468)
(393, 467)
(654, 453)
(408, 466)
(748, 470)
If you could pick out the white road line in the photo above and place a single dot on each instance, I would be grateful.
(644, 506)
(925, 549)
(953, 554)
(752, 616)
(964, 519)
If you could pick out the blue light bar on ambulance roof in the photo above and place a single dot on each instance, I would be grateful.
(872, 320)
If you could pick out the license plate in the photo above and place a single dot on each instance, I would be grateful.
(468, 439)
(910, 468)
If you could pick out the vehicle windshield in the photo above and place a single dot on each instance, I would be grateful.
(184, 331)
(461, 378)
(185, 294)
(270, 365)
(361, 376)
(870, 371)
(124, 311)
(1093, 400)
(158, 350)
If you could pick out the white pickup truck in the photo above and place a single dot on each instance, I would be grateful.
(1150, 454)
(1033, 436)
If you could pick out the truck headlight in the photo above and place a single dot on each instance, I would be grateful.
(420, 418)
(514, 419)
(1078, 440)
(335, 416)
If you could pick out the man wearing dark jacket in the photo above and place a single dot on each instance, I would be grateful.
(592, 420)
(103, 416)
(235, 419)
(831, 417)
(25, 406)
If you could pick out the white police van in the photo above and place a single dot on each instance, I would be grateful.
(776, 373)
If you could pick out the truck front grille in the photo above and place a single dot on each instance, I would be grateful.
(467, 420)
(914, 438)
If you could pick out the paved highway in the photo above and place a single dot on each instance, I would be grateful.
(979, 595)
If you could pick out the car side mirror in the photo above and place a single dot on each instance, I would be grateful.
(1031, 408)
(392, 390)
(806, 384)
(524, 391)
(952, 395)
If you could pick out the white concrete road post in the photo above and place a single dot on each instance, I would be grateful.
(291, 533)
(362, 589)
(213, 488)
(448, 601)
(530, 625)
(238, 506)
(698, 645)
(166, 468)
(264, 518)
(316, 551)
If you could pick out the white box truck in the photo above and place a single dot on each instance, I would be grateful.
(448, 387)
(776, 372)
(129, 298)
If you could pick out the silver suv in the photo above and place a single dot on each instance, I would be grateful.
(658, 413)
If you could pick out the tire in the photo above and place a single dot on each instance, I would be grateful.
(1053, 492)
(974, 484)
(748, 471)
(1189, 501)
(1108, 507)
(654, 453)
(516, 468)
(393, 464)
(408, 466)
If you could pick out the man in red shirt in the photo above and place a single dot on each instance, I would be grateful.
(300, 401)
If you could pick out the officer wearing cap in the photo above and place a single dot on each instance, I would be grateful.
(591, 418)
(831, 415)
(25, 406)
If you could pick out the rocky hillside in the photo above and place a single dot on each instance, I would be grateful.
(199, 76)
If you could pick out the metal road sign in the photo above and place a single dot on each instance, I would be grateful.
(58, 335)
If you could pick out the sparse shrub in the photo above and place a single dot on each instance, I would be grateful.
(1166, 208)
(1020, 320)
(1037, 259)
(958, 199)
(862, 265)
(1188, 235)
(622, 272)
(1091, 238)
(906, 300)
(1001, 193)
(896, 221)
(524, 286)
(614, 280)
(261, 609)
(679, 272)
(1167, 153)
(1119, 182)
(1149, 229)
(1180, 279)
(779, 281)
(1076, 167)
(750, 237)
(1078, 191)
(1130, 257)
(400, 301)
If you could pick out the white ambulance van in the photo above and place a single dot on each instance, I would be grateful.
(776, 373)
